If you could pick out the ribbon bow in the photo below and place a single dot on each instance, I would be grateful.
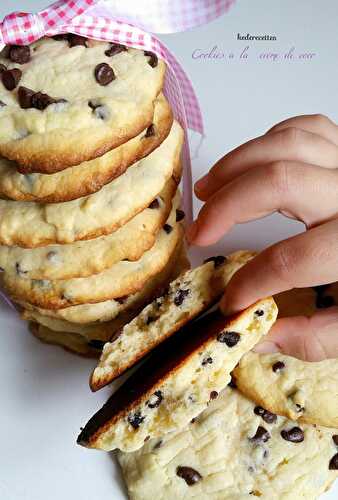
(131, 23)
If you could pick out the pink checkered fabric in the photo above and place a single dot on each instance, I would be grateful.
(130, 22)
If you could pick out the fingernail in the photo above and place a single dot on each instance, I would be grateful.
(266, 347)
(202, 183)
(191, 232)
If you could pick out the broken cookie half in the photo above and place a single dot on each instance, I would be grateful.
(188, 296)
(178, 381)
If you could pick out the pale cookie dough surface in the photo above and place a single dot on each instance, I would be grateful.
(123, 278)
(87, 257)
(97, 214)
(90, 176)
(300, 390)
(179, 379)
(217, 457)
(67, 133)
(188, 296)
(104, 330)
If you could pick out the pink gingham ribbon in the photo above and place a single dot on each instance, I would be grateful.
(132, 23)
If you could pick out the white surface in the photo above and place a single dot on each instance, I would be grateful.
(44, 391)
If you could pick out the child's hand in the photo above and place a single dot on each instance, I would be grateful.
(292, 169)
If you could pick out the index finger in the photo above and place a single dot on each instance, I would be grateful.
(305, 260)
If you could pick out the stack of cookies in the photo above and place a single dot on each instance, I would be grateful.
(90, 224)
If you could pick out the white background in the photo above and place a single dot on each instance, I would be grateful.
(44, 391)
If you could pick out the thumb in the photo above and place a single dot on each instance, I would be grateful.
(308, 338)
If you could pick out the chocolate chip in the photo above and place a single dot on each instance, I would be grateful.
(335, 439)
(259, 312)
(104, 74)
(25, 97)
(193, 420)
(150, 131)
(278, 366)
(19, 54)
(229, 338)
(158, 445)
(154, 204)
(179, 215)
(207, 361)
(180, 296)
(96, 344)
(153, 59)
(167, 228)
(146, 439)
(2, 104)
(10, 78)
(75, 40)
(115, 48)
(261, 436)
(135, 419)
(155, 400)
(190, 475)
(295, 435)
(213, 395)
(2, 68)
(2, 270)
(267, 416)
(333, 464)
(324, 301)
(18, 269)
(299, 408)
(218, 260)
(41, 101)
(232, 383)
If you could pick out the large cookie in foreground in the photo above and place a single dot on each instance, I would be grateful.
(234, 451)
(88, 177)
(179, 380)
(300, 390)
(122, 278)
(70, 100)
(187, 296)
(96, 214)
(88, 257)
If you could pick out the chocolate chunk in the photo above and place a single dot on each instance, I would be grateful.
(153, 59)
(18, 269)
(150, 131)
(207, 361)
(335, 439)
(19, 54)
(261, 436)
(75, 40)
(180, 295)
(96, 344)
(155, 400)
(278, 366)
(267, 416)
(135, 419)
(259, 312)
(229, 338)
(115, 48)
(104, 74)
(232, 383)
(167, 228)
(179, 215)
(218, 260)
(324, 301)
(190, 475)
(295, 435)
(333, 464)
(10, 78)
(25, 97)
(2, 68)
(154, 204)
(213, 395)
